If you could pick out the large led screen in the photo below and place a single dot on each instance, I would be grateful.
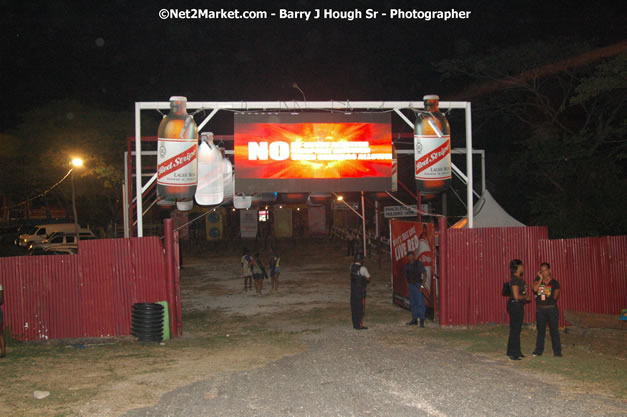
(312, 152)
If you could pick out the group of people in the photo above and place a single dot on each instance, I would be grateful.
(253, 269)
(353, 238)
(547, 291)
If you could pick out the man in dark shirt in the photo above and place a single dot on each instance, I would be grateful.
(415, 273)
(516, 308)
(547, 291)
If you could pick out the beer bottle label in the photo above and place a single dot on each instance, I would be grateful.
(432, 154)
(176, 161)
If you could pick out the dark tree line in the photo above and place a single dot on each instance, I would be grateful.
(553, 126)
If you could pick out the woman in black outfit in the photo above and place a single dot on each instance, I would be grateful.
(516, 308)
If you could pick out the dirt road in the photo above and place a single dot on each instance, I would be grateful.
(388, 370)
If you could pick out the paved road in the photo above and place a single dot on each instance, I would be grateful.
(348, 373)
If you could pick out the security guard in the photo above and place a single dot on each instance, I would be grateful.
(360, 277)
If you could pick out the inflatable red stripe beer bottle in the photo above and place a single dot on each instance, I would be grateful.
(432, 149)
(177, 151)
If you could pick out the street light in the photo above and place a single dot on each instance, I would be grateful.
(76, 163)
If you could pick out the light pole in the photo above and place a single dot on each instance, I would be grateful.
(76, 163)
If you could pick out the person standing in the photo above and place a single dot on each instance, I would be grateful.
(516, 308)
(357, 242)
(246, 262)
(264, 273)
(349, 243)
(415, 273)
(275, 270)
(258, 273)
(547, 291)
(3, 344)
(360, 277)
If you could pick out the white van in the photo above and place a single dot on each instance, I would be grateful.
(61, 239)
(42, 231)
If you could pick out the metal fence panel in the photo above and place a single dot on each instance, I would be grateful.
(478, 265)
(85, 295)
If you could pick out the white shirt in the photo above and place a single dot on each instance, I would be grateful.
(0, 287)
(363, 271)
(245, 266)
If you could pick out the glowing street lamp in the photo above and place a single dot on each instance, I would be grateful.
(340, 198)
(76, 163)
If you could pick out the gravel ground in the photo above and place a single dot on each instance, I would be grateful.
(344, 372)
(348, 373)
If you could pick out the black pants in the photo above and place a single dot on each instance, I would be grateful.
(358, 304)
(516, 310)
(543, 317)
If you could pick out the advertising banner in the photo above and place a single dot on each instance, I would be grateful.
(248, 223)
(419, 238)
(313, 152)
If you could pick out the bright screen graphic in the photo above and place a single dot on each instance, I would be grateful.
(313, 152)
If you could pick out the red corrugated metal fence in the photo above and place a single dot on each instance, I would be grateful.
(478, 264)
(85, 295)
(592, 271)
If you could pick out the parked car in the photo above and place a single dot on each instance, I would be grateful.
(60, 239)
(55, 250)
(42, 231)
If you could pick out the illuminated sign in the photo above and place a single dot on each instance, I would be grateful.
(313, 152)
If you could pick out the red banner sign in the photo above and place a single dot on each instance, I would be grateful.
(405, 237)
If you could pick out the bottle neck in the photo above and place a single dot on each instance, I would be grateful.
(178, 107)
(208, 139)
(432, 105)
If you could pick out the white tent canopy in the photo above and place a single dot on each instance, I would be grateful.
(489, 213)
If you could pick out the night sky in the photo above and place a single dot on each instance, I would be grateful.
(117, 52)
